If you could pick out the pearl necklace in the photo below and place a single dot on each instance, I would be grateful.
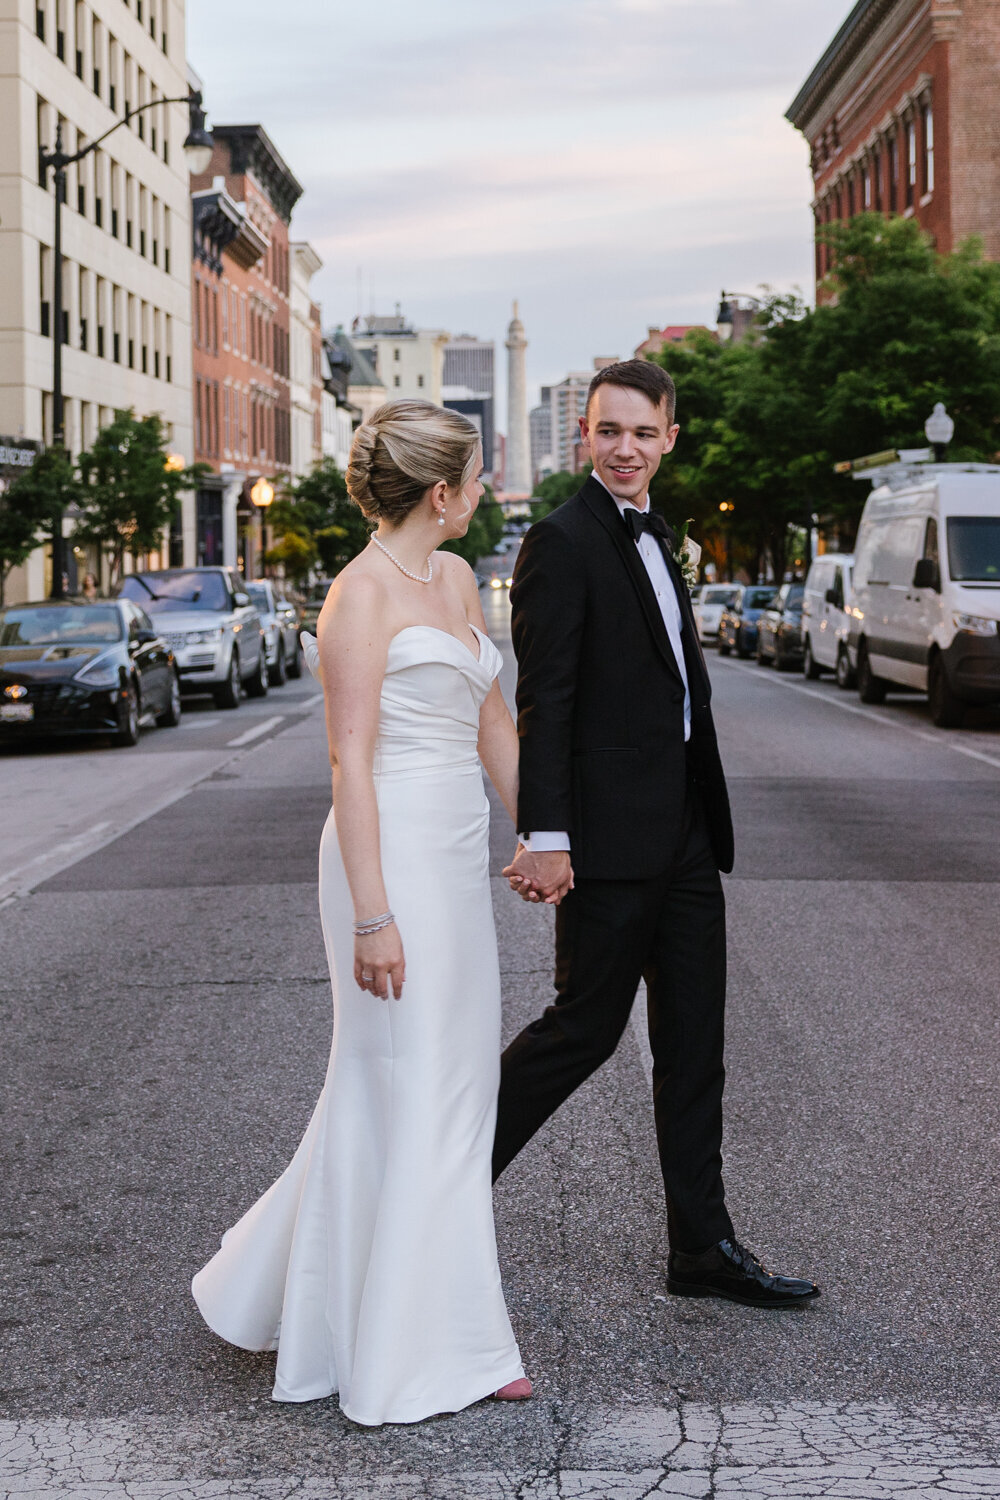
(415, 576)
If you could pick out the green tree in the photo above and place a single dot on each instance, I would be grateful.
(485, 531)
(296, 553)
(127, 493)
(30, 505)
(318, 509)
(551, 491)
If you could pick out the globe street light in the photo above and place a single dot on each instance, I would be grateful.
(939, 429)
(198, 148)
(262, 495)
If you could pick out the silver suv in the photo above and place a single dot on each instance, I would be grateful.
(206, 617)
(280, 622)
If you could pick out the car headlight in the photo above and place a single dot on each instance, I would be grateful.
(508, 583)
(974, 624)
(203, 637)
(101, 672)
(495, 583)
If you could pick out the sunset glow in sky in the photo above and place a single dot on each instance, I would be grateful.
(610, 163)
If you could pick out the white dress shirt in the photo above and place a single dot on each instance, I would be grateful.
(666, 597)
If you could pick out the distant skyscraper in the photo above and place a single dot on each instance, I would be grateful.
(468, 385)
(540, 428)
(518, 475)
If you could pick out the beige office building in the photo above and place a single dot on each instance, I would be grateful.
(80, 64)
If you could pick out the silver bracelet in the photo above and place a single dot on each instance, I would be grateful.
(373, 924)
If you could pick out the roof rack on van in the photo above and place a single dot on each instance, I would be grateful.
(899, 467)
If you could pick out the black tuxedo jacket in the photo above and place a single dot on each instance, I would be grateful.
(601, 702)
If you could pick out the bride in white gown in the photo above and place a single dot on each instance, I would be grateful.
(371, 1264)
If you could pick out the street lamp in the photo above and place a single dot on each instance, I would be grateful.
(939, 429)
(727, 507)
(262, 495)
(725, 318)
(198, 153)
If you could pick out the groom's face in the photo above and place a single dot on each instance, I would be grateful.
(627, 436)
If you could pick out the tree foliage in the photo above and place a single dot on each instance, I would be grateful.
(551, 491)
(127, 495)
(30, 505)
(763, 422)
(318, 510)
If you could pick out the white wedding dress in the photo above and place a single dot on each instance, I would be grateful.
(371, 1264)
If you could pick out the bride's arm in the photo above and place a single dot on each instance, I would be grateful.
(353, 641)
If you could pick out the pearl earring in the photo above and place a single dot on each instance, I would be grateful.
(441, 519)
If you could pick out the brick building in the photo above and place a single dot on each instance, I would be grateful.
(900, 115)
(241, 209)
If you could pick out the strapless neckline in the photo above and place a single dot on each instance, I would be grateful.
(437, 630)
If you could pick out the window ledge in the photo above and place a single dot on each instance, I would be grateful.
(927, 198)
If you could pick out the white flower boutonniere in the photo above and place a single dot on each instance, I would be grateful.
(687, 555)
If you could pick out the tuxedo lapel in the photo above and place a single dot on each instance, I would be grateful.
(602, 506)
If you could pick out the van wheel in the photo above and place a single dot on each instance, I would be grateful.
(809, 665)
(845, 672)
(947, 710)
(871, 689)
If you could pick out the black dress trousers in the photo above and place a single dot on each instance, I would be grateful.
(669, 930)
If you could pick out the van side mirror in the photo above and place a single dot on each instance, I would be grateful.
(240, 599)
(832, 597)
(927, 575)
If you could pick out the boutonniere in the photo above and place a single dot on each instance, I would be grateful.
(687, 554)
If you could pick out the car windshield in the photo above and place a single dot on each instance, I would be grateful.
(165, 593)
(974, 549)
(258, 597)
(718, 596)
(757, 598)
(78, 624)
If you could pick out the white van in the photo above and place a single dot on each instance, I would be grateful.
(827, 590)
(926, 601)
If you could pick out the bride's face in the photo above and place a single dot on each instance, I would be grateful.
(463, 507)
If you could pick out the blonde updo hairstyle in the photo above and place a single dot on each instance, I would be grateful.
(402, 450)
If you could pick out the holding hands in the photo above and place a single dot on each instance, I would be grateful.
(544, 877)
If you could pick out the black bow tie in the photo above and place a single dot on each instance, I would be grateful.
(639, 521)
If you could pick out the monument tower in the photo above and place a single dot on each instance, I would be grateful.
(517, 480)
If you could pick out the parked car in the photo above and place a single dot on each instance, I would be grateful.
(72, 666)
(214, 631)
(824, 614)
(280, 622)
(779, 629)
(926, 606)
(738, 621)
(708, 609)
(314, 601)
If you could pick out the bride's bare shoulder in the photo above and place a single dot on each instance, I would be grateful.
(357, 600)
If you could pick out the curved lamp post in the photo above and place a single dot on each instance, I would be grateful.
(262, 496)
(939, 429)
(728, 305)
(198, 147)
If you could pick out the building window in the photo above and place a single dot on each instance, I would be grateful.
(39, 23)
(911, 162)
(420, 380)
(893, 203)
(866, 189)
(927, 116)
(396, 380)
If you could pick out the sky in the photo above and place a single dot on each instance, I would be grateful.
(612, 164)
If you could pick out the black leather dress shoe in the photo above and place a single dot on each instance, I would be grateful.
(729, 1270)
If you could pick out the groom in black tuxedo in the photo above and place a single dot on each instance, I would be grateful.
(623, 813)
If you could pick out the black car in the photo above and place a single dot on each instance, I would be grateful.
(738, 625)
(75, 666)
(779, 629)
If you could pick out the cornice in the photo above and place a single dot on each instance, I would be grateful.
(250, 150)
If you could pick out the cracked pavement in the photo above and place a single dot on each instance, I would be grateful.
(166, 1025)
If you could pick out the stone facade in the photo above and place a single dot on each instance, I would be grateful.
(900, 115)
(126, 272)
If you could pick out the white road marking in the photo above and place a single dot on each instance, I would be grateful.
(941, 740)
(311, 702)
(67, 847)
(193, 721)
(255, 732)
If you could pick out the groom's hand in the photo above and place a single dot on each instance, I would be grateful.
(540, 877)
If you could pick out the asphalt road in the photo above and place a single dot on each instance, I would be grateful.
(165, 1022)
